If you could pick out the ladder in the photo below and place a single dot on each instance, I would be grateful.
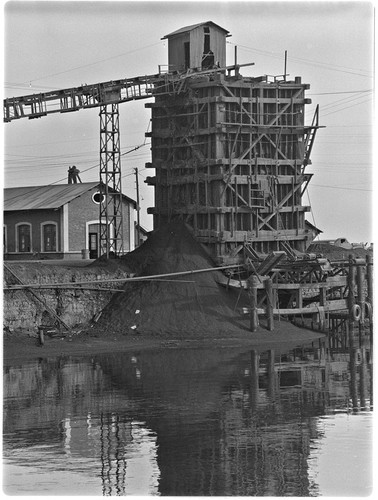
(310, 137)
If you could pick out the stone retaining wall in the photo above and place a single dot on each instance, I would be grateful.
(23, 311)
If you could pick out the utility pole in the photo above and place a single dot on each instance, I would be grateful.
(138, 208)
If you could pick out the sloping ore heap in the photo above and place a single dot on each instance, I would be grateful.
(184, 306)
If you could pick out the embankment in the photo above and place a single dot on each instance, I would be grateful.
(76, 306)
(156, 312)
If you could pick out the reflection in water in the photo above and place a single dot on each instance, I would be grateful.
(186, 422)
(349, 459)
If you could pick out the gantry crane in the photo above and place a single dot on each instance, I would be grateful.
(107, 96)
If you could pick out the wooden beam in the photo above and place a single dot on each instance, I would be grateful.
(120, 280)
(335, 305)
(239, 101)
(282, 202)
(282, 110)
(286, 286)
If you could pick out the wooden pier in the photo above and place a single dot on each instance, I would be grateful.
(330, 297)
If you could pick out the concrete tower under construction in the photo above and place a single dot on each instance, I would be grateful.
(229, 152)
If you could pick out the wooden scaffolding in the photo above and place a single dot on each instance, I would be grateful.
(230, 156)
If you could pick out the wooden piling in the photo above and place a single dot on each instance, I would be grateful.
(369, 272)
(255, 364)
(361, 298)
(351, 283)
(369, 298)
(322, 296)
(252, 283)
(353, 377)
(363, 378)
(41, 336)
(269, 303)
(344, 333)
(271, 374)
(347, 333)
(351, 300)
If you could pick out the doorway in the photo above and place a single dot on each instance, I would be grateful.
(187, 54)
(94, 240)
(93, 245)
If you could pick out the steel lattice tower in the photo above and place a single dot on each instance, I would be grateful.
(111, 220)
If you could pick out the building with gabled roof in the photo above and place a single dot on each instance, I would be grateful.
(192, 27)
(58, 222)
(197, 46)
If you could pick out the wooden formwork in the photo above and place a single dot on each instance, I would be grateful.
(230, 156)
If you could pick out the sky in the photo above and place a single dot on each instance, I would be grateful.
(51, 45)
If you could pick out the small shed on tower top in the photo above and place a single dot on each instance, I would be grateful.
(199, 46)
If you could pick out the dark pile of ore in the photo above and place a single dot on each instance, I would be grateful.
(183, 306)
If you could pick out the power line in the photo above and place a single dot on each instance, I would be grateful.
(51, 160)
(18, 86)
(343, 100)
(336, 103)
(342, 188)
(331, 67)
(342, 92)
(64, 178)
(347, 107)
(93, 63)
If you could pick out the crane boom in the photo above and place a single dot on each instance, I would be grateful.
(83, 97)
(99, 94)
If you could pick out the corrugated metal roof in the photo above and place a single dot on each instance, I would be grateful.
(46, 197)
(192, 27)
(43, 197)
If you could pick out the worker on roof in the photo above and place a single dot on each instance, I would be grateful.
(73, 175)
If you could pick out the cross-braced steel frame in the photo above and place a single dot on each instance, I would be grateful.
(111, 219)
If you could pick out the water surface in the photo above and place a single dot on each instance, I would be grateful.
(193, 422)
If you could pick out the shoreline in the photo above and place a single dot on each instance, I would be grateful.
(23, 349)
